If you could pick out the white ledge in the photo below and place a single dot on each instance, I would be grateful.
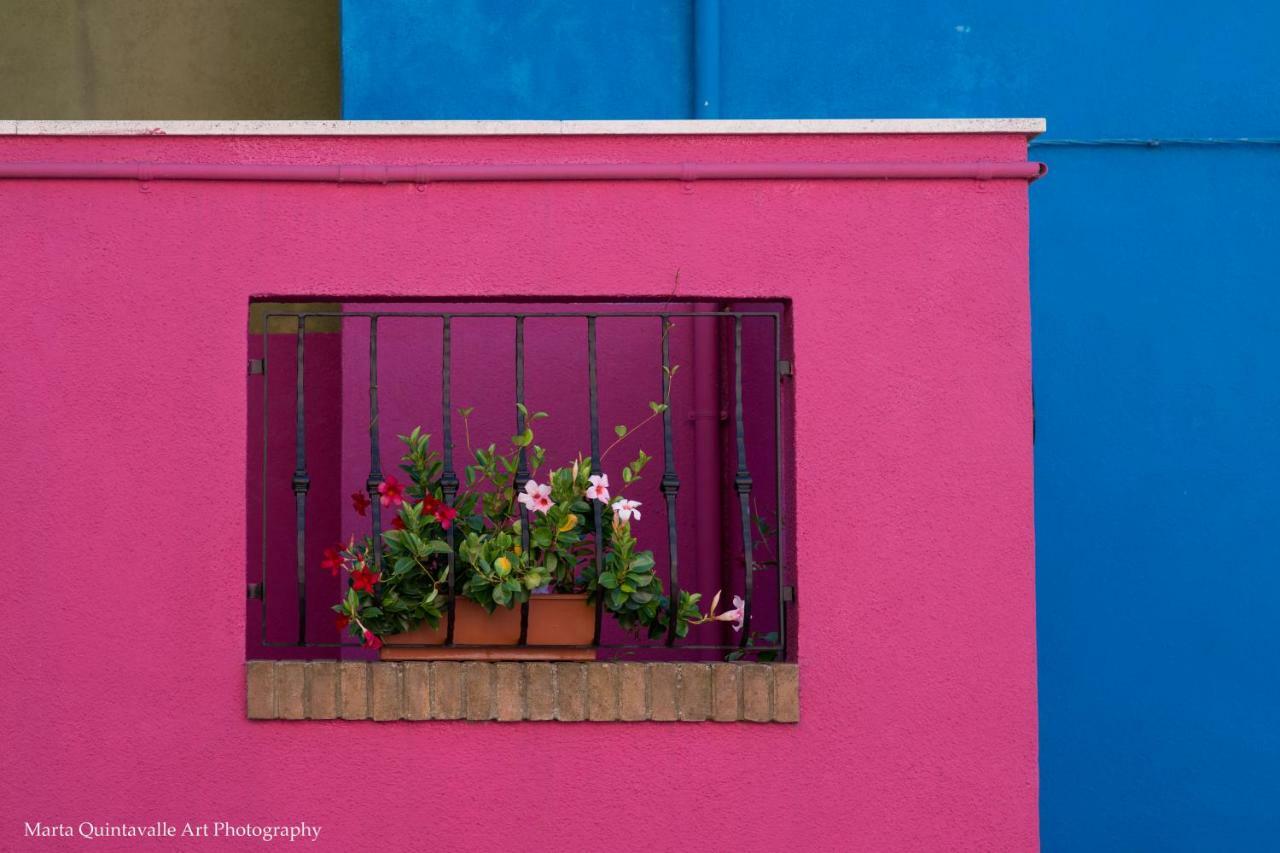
(1024, 126)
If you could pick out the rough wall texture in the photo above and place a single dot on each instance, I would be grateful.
(124, 378)
(169, 59)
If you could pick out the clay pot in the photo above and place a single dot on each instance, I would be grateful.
(555, 621)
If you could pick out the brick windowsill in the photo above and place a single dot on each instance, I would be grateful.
(506, 691)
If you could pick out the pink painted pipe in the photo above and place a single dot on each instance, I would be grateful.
(426, 173)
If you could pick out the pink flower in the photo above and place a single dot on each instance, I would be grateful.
(392, 491)
(625, 509)
(599, 488)
(736, 615)
(537, 498)
(371, 640)
(360, 502)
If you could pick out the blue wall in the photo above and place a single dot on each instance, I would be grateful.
(1156, 338)
(478, 59)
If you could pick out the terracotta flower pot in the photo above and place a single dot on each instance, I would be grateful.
(555, 620)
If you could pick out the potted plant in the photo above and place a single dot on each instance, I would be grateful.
(402, 609)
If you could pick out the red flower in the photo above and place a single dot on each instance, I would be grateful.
(397, 523)
(360, 502)
(392, 491)
(363, 580)
(332, 559)
(429, 505)
(371, 640)
(342, 621)
(445, 515)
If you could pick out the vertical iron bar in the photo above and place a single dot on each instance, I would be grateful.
(522, 467)
(670, 482)
(779, 491)
(596, 470)
(375, 466)
(266, 434)
(742, 479)
(448, 479)
(301, 483)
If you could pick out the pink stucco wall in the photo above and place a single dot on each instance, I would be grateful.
(122, 385)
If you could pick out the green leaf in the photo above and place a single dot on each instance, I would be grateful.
(524, 439)
(627, 475)
(658, 408)
(642, 562)
(466, 413)
(620, 430)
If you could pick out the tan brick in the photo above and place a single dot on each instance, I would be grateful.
(662, 691)
(385, 691)
(633, 691)
(446, 690)
(571, 691)
(477, 677)
(291, 690)
(726, 691)
(322, 690)
(757, 685)
(602, 691)
(694, 691)
(417, 690)
(353, 689)
(509, 691)
(786, 693)
(260, 689)
(540, 690)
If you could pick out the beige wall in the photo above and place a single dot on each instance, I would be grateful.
(176, 59)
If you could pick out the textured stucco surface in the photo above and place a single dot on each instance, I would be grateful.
(123, 383)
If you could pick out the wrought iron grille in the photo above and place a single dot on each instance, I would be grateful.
(743, 479)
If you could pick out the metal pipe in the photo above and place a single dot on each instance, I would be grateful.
(484, 172)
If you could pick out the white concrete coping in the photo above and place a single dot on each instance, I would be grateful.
(1024, 126)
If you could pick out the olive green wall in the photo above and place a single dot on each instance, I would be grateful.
(169, 59)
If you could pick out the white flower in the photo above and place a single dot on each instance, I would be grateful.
(736, 615)
(625, 509)
(599, 488)
(537, 498)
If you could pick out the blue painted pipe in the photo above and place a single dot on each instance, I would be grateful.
(706, 59)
